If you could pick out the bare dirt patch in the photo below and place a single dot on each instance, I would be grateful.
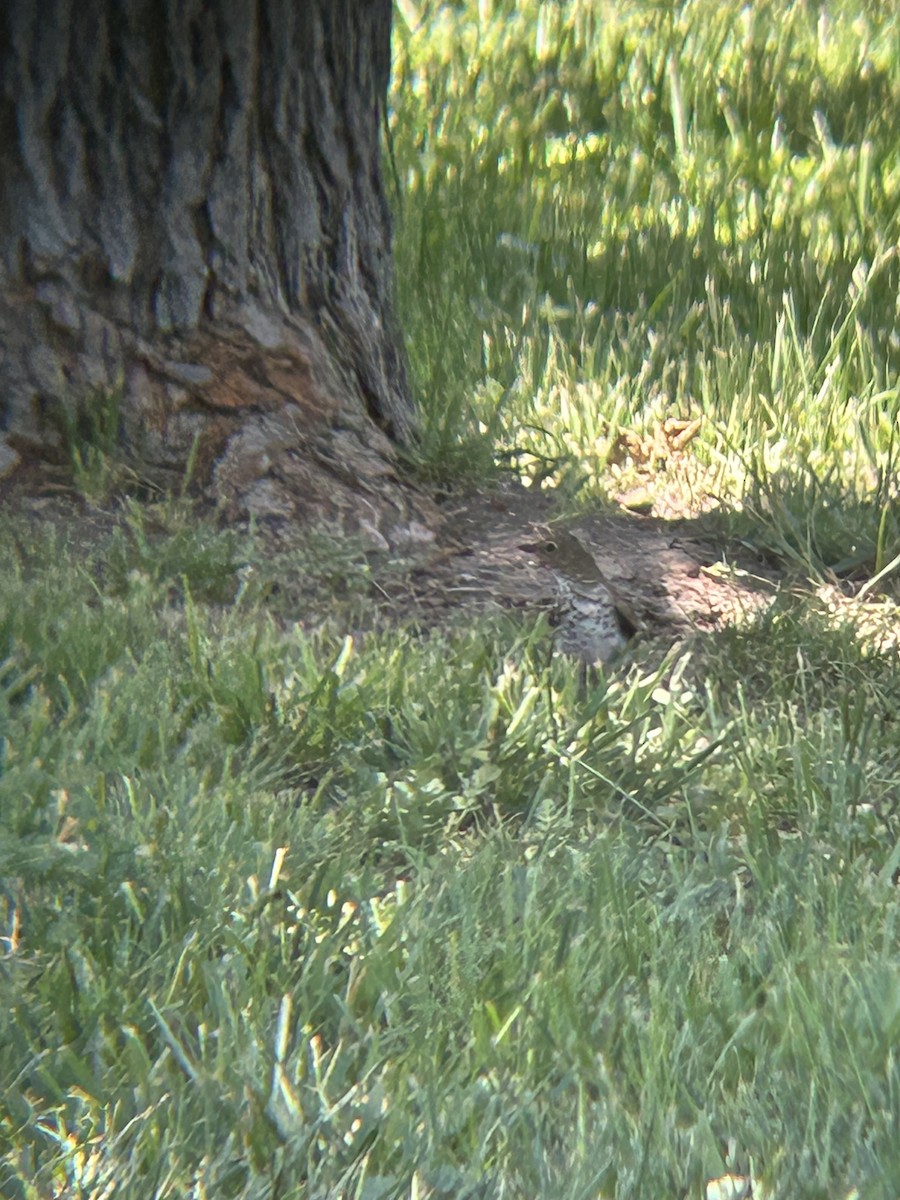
(675, 576)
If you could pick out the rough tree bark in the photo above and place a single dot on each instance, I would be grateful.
(192, 213)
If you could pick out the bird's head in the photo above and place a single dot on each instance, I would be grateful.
(569, 559)
(564, 552)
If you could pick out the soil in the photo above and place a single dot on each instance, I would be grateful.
(674, 576)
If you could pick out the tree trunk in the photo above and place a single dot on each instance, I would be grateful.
(193, 219)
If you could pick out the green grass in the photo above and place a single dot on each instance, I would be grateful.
(293, 912)
(277, 917)
(278, 924)
(614, 216)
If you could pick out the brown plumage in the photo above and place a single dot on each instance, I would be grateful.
(593, 624)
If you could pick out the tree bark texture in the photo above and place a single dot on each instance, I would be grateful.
(192, 214)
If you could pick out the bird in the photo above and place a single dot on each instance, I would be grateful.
(592, 623)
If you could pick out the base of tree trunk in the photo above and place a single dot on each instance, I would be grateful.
(195, 237)
(265, 417)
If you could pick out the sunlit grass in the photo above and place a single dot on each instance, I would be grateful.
(657, 211)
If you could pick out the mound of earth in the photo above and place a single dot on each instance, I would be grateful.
(673, 575)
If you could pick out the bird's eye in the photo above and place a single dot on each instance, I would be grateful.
(550, 547)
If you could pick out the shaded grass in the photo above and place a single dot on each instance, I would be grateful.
(292, 912)
(401, 916)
